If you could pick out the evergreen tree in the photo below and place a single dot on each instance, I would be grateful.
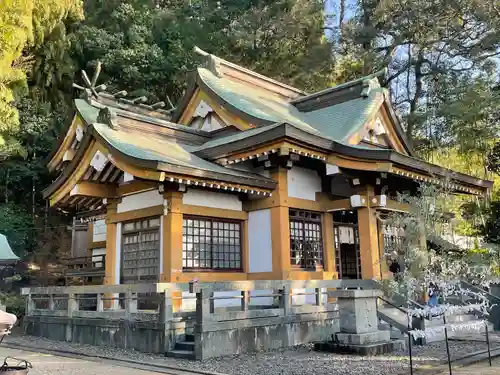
(24, 25)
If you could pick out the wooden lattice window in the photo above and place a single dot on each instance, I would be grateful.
(211, 244)
(306, 245)
(141, 249)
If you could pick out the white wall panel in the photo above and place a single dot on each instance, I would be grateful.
(303, 183)
(204, 198)
(140, 200)
(99, 231)
(260, 248)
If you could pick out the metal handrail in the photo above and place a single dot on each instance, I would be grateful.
(393, 305)
(481, 290)
(414, 303)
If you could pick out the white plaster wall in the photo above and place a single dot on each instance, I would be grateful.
(118, 248)
(303, 183)
(260, 248)
(140, 200)
(204, 198)
(99, 232)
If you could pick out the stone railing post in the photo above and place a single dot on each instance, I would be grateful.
(285, 299)
(72, 307)
(130, 303)
(358, 318)
(72, 304)
(166, 317)
(166, 307)
(318, 294)
(245, 298)
(100, 302)
(30, 304)
(204, 305)
(52, 306)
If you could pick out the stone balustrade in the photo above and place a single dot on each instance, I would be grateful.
(224, 317)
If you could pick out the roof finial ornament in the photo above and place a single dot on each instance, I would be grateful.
(90, 89)
(212, 62)
(108, 117)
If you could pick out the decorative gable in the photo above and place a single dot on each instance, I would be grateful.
(375, 133)
(205, 118)
(380, 132)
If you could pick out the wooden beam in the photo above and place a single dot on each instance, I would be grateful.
(360, 165)
(338, 205)
(93, 189)
(69, 154)
(66, 144)
(136, 186)
(390, 205)
(76, 175)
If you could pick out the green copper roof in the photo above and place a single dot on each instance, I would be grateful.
(337, 121)
(87, 111)
(158, 149)
(6, 253)
(234, 137)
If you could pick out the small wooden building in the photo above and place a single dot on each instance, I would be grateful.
(246, 179)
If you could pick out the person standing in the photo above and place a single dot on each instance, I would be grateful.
(433, 295)
(395, 268)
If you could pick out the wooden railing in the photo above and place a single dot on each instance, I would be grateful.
(85, 266)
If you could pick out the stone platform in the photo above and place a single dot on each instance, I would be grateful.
(372, 349)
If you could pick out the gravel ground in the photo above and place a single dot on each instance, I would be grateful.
(292, 361)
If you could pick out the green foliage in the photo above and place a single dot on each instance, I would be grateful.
(437, 54)
(17, 225)
(24, 25)
(148, 49)
(14, 303)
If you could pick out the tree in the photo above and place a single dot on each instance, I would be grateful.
(427, 47)
(427, 262)
(24, 25)
(146, 48)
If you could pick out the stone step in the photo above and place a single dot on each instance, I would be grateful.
(184, 354)
(184, 345)
(461, 318)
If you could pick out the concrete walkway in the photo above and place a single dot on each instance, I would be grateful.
(55, 365)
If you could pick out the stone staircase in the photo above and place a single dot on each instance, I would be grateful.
(184, 348)
(395, 320)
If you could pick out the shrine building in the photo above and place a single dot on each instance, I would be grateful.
(245, 179)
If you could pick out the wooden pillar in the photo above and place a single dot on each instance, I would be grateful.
(280, 226)
(111, 250)
(381, 244)
(328, 243)
(172, 237)
(369, 241)
(172, 243)
(245, 254)
(90, 237)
